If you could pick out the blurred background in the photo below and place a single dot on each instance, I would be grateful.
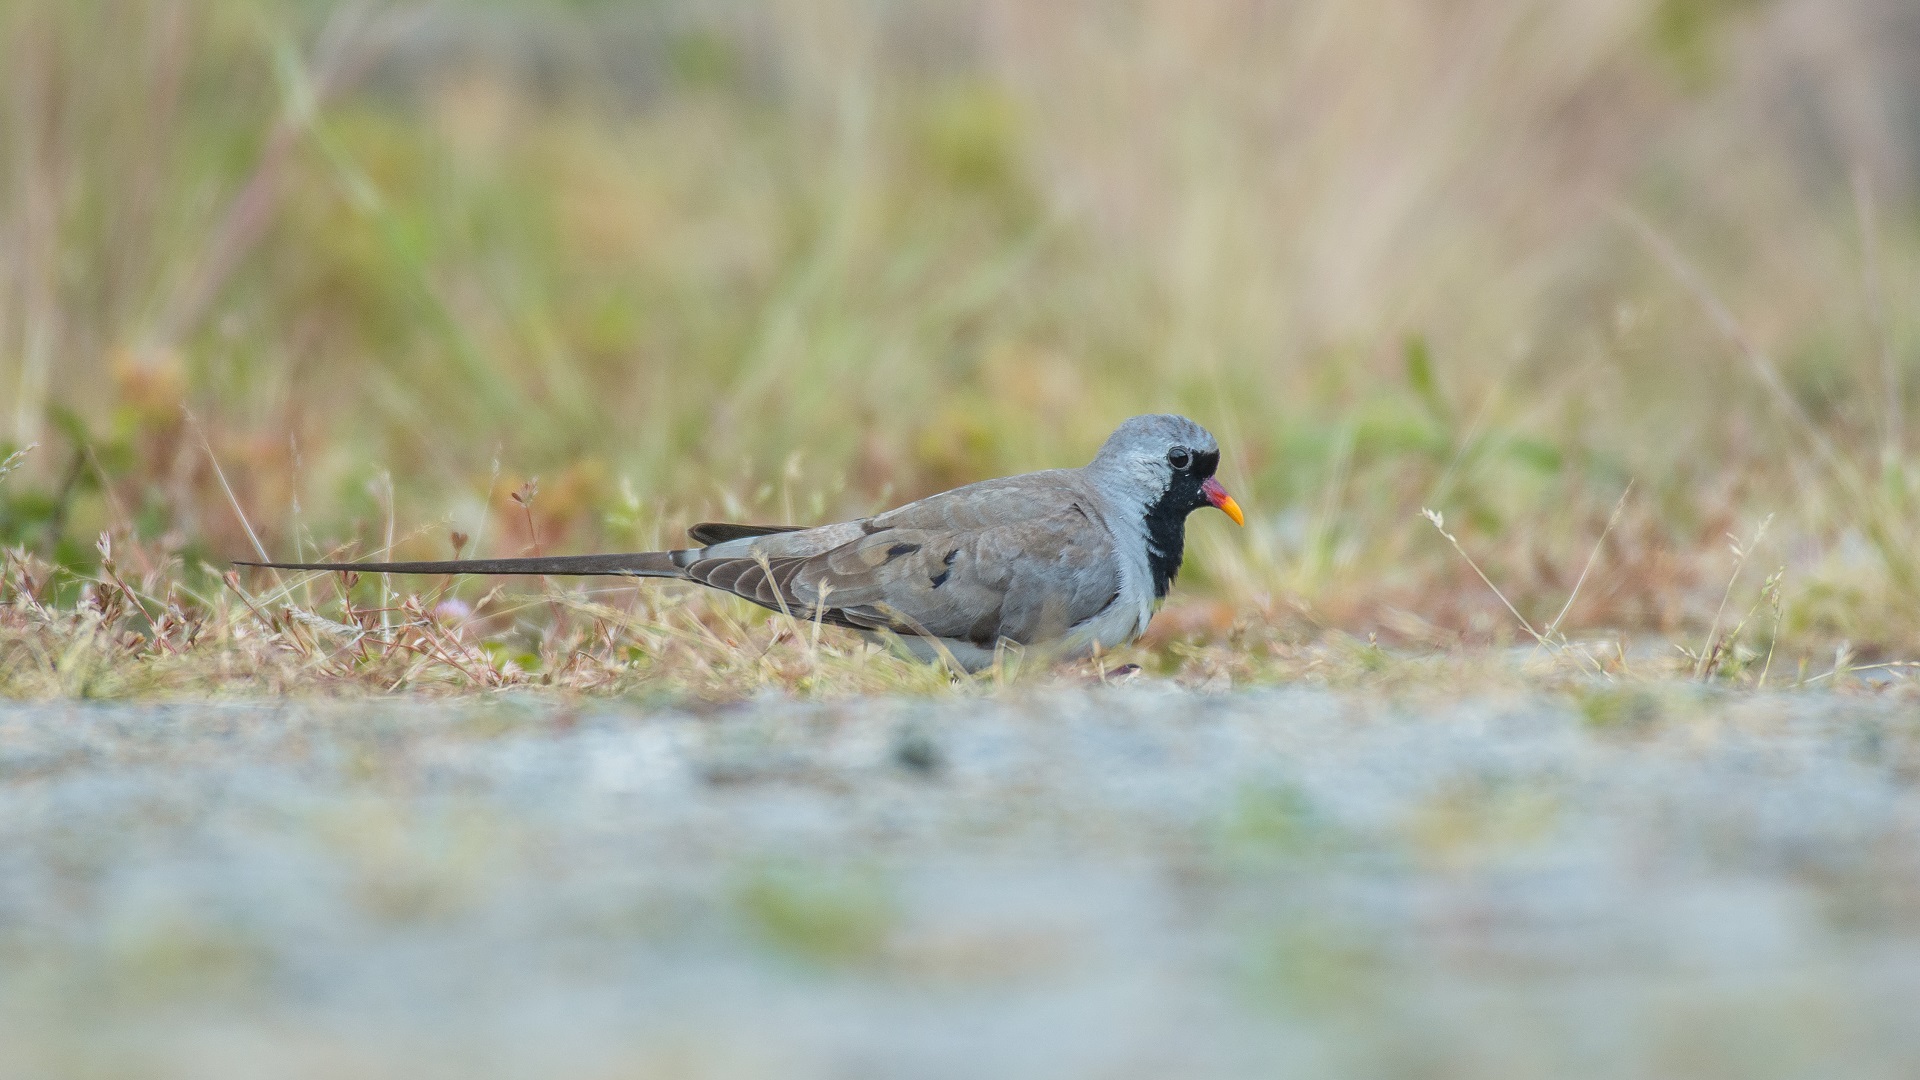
(790, 261)
(1624, 290)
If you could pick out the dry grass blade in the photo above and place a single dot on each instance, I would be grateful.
(1723, 318)
(1709, 658)
(1613, 519)
(16, 459)
(1893, 425)
(1770, 592)
(1882, 526)
(1440, 524)
(233, 500)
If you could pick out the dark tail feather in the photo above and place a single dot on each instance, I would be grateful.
(635, 564)
(719, 532)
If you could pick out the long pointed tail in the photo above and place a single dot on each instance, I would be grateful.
(633, 564)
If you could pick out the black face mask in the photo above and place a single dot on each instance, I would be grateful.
(1167, 517)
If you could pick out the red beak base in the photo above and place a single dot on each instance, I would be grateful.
(1218, 496)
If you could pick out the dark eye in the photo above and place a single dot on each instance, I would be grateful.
(1179, 458)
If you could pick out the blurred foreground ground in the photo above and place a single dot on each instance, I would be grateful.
(1656, 882)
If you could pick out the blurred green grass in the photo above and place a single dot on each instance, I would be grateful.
(792, 261)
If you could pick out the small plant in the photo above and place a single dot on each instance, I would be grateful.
(16, 459)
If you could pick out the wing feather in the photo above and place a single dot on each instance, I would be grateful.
(708, 533)
(1021, 560)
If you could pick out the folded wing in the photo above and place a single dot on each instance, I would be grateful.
(1015, 559)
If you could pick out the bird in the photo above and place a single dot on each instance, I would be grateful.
(1074, 561)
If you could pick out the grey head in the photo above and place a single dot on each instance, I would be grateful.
(1161, 467)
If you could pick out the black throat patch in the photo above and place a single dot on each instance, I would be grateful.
(1167, 521)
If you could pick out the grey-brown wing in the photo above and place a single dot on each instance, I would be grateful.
(1014, 559)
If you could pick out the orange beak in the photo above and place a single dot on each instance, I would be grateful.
(1218, 496)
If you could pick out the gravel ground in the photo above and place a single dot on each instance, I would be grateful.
(1116, 883)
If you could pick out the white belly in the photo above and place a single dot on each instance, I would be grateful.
(1120, 623)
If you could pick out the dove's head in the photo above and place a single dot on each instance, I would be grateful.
(1165, 464)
